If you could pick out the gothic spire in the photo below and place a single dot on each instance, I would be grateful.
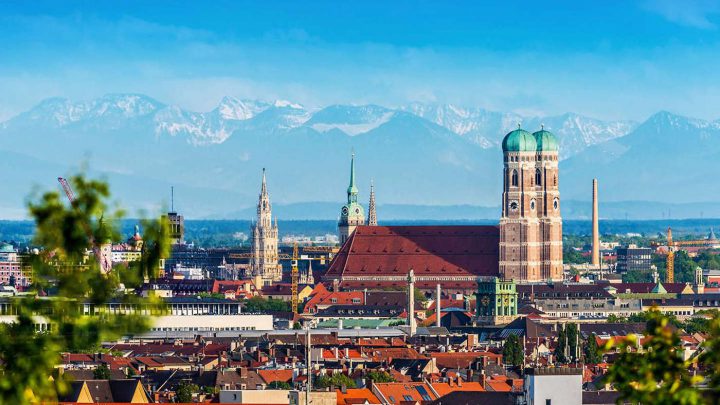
(372, 215)
(263, 190)
(352, 190)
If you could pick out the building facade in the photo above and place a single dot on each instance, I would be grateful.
(264, 266)
(633, 258)
(352, 213)
(530, 225)
(497, 301)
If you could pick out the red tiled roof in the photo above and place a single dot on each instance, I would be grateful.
(374, 251)
(276, 375)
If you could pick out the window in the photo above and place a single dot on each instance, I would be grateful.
(514, 180)
(538, 177)
(407, 397)
(548, 402)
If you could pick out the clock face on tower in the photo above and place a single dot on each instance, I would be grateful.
(344, 210)
(485, 300)
(513, 205)
(357, 210)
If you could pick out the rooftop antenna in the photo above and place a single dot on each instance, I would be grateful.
(172, 199)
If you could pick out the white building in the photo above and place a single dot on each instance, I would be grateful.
(553, 386)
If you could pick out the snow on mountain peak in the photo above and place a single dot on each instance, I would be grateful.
(230, 108)
(288, 104)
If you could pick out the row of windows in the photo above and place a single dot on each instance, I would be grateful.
(538, 178)
(528, 159)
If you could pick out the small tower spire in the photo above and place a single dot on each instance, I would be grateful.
(263, 190)
(372, 215)
(352, 190)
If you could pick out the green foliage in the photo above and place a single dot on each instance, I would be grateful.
(591, 350)
(612, 318)
(561, 346)
(659, 375)
(572, 256)
(279, 385)
(185, 391)
(573, 338)
(259, 304)
(637, 277)
(28, 357)
(710, 359)
(336, 380)
(219, 296)
(379, 377)
(102, 372)
(396, 323)
(297, 326)
(513, 351)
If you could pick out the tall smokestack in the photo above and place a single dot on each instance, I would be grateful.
(437, 306)
(411, 303)
(595, 227)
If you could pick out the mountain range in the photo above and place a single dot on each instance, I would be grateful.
(435, 156)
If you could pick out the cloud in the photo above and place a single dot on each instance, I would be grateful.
(691, 13)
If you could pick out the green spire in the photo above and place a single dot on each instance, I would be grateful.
(352, 190)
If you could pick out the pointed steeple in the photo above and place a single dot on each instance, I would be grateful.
(352, 190)
(372, 215)
(263, 189)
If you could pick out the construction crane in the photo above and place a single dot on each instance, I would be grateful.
(295, 275)
(105, 267)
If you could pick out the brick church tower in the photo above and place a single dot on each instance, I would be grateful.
(530, 225)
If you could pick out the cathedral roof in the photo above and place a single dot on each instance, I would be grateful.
(546, 141)
(372, 252)
(519, 140)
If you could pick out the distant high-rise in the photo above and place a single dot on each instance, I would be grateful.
(176, 222)
(352, 214)
(372, 215)
(264, 266)
(530, 225)
(595, 226)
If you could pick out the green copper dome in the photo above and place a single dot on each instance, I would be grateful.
(519, 140)
(546, 141)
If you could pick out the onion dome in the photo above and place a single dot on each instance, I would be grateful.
(519, 140)
(546, 141)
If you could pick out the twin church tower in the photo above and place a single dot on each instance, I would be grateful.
(530, 242)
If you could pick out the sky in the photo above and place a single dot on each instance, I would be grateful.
(604, 59)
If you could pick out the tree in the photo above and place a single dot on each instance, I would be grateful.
(259, 304)
(513, 352)
(336, 380)
(102, 372)
(27, 357)
(659, 375)
(297, 326)
(612, 318)
(572, 336)
(184, 392)
(279, 385)
(591, 350)
(561, 346)
(710, 359)
(380, 377)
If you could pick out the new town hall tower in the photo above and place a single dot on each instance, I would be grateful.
(264, 266)
(531, 225)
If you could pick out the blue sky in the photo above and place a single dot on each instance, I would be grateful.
(606, 59)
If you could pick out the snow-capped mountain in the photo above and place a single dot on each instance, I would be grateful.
(487, 128)
(143, 146)
(352, 120)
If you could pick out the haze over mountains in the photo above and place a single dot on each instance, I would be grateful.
(442, 156)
